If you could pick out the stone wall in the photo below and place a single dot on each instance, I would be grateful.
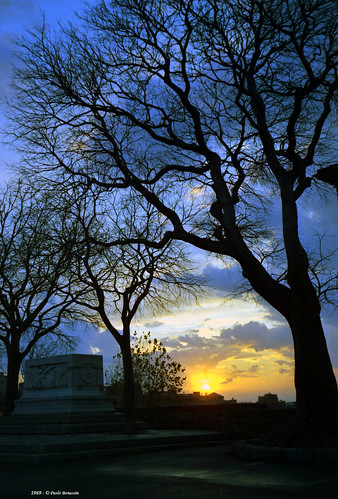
(236, 420)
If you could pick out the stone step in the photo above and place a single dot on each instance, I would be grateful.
(64, 424)
(55, 429)
(15, 420)
(70, 425)
(49, 449)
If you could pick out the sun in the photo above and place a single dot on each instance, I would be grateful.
(205, 387)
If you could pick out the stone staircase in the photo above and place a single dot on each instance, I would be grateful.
(53, 448)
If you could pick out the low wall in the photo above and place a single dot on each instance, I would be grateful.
(236, 420)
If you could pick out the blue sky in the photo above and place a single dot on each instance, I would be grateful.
(240, 349)
(15, 17)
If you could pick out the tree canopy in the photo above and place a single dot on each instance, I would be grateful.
(155, 371)
(35, 296)
(114, 283)
(211, 111)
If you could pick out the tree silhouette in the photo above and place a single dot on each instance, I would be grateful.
(35, 298)
(213, 112)
(155, 371)
(113, 283)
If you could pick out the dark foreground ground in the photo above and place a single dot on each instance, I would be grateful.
(206, 472)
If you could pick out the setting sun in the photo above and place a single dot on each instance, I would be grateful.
(205, 387)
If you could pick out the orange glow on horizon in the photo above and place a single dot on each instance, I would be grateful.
(196, 380)
(246, 386)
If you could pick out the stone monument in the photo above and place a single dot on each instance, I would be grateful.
(63, 413)
(64, 384)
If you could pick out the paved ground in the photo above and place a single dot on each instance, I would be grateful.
(202, 473)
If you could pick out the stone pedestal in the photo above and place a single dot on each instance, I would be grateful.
(63, 395)
(64, 384)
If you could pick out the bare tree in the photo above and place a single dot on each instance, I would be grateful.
(32, 266)
(213, 111)
(113, 283)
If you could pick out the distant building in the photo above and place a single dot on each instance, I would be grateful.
(196, 398)
(168, 398)
(230, 401)
(214, 398)
(270, 400)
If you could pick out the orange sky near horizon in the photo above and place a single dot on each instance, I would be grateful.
(266, 379)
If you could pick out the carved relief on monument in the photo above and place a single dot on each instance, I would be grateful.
(88, 374)
(46, 376)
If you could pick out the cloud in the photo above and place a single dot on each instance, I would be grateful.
(194, 340)
(95, 342)
(258, 336)
(241, 341)
(233, 373)
(282, 362)
(223, 279)
(284, 371)
(94, 350)
(150, 325)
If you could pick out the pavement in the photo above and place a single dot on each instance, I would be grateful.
(189, 473)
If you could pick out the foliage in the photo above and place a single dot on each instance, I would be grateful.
(213, 112)
(118, 281)
(35, 298)
(112, 283)
(192, 106)
(154, 369)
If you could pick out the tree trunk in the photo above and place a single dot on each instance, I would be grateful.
(315, 421)
(315, 382)
(12, 389)
(129, 390)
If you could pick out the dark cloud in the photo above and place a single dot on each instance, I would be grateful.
(150, 325)
(288, 366)
(284, 371)
(225, 279)
(272, 315)
(258, 336)
(233, 373)
(282, 362)
(172, 343)
(195, 350)
(189, 341)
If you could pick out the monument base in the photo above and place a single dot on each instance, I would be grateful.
(64, 395)
(62, 424)
(68, 404)
(64, 384)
